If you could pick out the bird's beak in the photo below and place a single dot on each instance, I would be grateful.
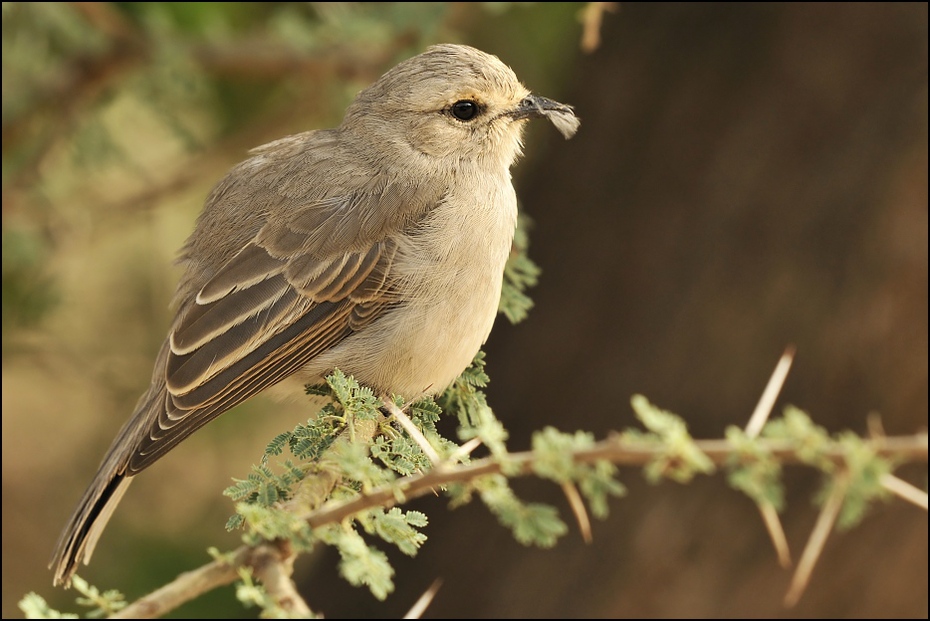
(562, 116)
(534, 106)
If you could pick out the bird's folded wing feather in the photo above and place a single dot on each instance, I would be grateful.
(301, 286)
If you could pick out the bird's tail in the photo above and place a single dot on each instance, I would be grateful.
(78, 539)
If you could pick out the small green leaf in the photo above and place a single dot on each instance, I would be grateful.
(811, 441)
(397, 527)
(531, 524)
(520, 273)
(866, 471)
(554, 453)
(276, 446)
(597, 484)
(361, 564)
(35, 607)
(753, 470)
(680, 458)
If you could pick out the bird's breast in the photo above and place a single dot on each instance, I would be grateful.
(448, 272)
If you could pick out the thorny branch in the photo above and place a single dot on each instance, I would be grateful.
(615, 449)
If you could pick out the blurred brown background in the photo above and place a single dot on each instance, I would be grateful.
(747, 176)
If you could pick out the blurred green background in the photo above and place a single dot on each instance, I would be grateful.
(746, 176)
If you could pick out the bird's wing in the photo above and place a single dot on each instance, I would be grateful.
(302, 285)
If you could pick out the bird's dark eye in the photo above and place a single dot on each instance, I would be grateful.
(464, 110)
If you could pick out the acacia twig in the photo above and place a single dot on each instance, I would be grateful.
(614, 449)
